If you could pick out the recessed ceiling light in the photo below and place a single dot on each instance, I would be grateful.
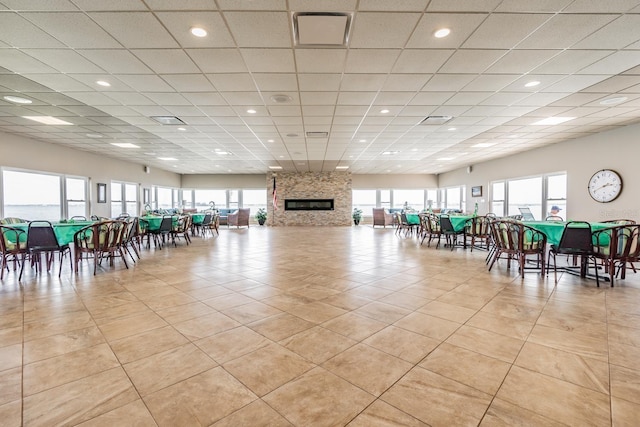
(198, 32)
(282, 157)
(17, 99)
(532, 83)
(93, 135)
(103, 83)
(452, 129)
(514, 135)
(223, 153)
(342, 167)
(275, 167)
(444, 159)
(182, 129)
(483, 144)
(389, 153)
(270, 140)
(443, 32)
(125, 145)
(362, 140)
(280, 98)
(553, 120)
(251, 111)
(414, 149)
(384, 111)
(47, 120)
(150, 154)
(610, 101)
(168, 159)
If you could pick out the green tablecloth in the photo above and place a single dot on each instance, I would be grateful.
(554, 229)
(64, 230)
(154, 221)
(457, 221)
(197, 218)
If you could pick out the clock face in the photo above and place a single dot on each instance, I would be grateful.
(605, 186)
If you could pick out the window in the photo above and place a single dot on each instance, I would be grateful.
(187, 199)
(557, 194)
(454, 197)
(164, 198)
(131, 199)
(538, 193)
(432, 198)
(203, 198)
(385, 199)
(31, 195)
(365, 200)
(413, 198)
(254, 199)
(76, 191)
(526, 192)
(497, 198)
(116, 199)
(233, 198)
(124, 199)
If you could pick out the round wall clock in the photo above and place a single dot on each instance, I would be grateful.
(605, 186)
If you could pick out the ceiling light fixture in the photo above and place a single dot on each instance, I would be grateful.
(609, 101)
(362, 140)
(342, 168)
(384, 111)
(280, 98)
(93, 135)
(532, 83)
(483, 144)
(389, 153)
(251, 111)
(17, 99)
(275, 167)
(103, 83)
(552, 121)
(270, 140)
(168, 159)
(452, 129)
(198, 32)
(444, 159)
(125, 145)
(48, 120)
(443, 32)
(183, 129)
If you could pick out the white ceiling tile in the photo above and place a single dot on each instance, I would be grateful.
(461, 25)
(614, 64)
(145, 83)
(504, 31)
(468, 98)
(276, 82)
(420, 61)
(166, 61)
(463, 5)
(393, 98)
(189, 82)
(571, 61)
(167, 99)
(269, 60)
(574, 83)
(472, 61)
(135, 29)
(259, 29)
(541, 99)
(319, 82)
(18, 32)
(448, 82)
(90, 81)
(382, 30)
(75, 30)
(205, 98)
(64, 60)
(317, 110)
(431, 98)
(393, 5)
(506, 98)
(612, 6)
(320, 60)
(130, 98)
(21, 63)
(115, 61)
(232, 81)
(101, 5)
(532, 6)
(356, 98)
(183, 5)
(371, 60)
(405, 82)
(362, 82)
(318, 98)
(93, 98)
(180, 23)
(323, 5)
(563, 31)
(614, 84)
(217, 60)
(616, 35)
(521, 61)
(252, 5)
(243, 98)
(58, 82)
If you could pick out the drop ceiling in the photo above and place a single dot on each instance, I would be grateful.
(360, 104)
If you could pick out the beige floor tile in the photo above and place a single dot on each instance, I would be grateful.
(582, 325)
(447, 311)
(10, 385)
(12, 320)
(467, 367)
(448, 400)
(556, 399)
(620, 354)
(186, 312)
(430, 326)
(10, 336)
(570, 367)
(200, 400)
(316, 312)
(165, 301)
(11, 356)
(354, 326)
(11, 414)
(317, 344)
(80, 400)
(624, 335)
(382, 414)
(168, 367)
(256, 413)
(147, 343)
(488, 343)
(132, 325)
(513, 308)
(267, 368)
(204, 326)
(583, 345)
(318, 398)
(205, 292)
(427, 292)
(135, 414)
(624, 413)
(501, 325)
(231, 344)
(280, 326)
(406, 345)
(368, 368)
(382, 312)
(56, 345)
(625, 383)
(404, 300)
(70, 322)
(505, 414)
(251, 312)
(224, 302)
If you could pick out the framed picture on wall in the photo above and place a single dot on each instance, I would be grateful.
(476, 191)
(102, 193)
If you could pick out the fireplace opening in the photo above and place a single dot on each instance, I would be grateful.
(308, 204)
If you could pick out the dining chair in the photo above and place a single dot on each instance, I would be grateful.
(518, 241)
(434, 231)
(449, 232)
(616, 247)
(42, 240)
(78, 218)
(554, 218)
(181, 229)
(204, 225)
(576, 241)
(161, 235)
(239, 218)
(99, 241)
(13, 247)
(477, 230)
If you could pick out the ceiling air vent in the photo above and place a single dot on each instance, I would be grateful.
(168, 120)
(435, 120)
(314, 29)
(317, 134)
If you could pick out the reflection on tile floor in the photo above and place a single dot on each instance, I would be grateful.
(316, 327)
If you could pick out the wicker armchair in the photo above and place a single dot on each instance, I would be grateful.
(239, 218)
(381, 217)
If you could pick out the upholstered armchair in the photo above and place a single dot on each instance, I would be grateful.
(380, 217)
(239, 218)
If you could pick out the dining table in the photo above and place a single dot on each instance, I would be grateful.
(554, 229)
(458, 221)
(152, 222)
(64, 230)
(197, 218)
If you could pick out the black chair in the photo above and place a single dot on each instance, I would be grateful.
(161, 235)
(450, 234)
(576, 241)
(42, 240)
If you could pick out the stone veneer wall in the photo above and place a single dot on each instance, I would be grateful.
(311, 185)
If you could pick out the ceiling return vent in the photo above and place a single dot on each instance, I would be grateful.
(435, 120)
(317, 134)
(321, 29)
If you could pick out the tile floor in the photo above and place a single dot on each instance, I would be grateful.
(317, 327)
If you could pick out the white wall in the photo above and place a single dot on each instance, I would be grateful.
(223, 181)
(24, 153)
(618, 149)
(404, 182)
